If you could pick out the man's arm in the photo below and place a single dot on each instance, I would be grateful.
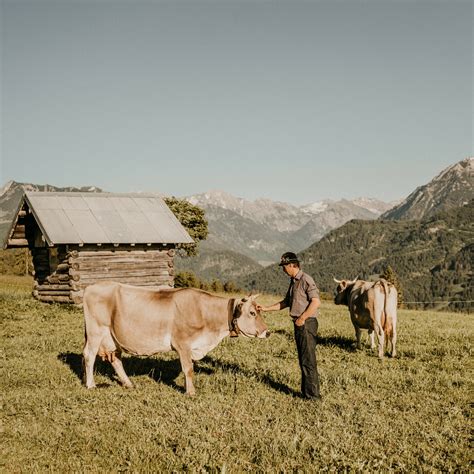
(274, 307)
(311, 309)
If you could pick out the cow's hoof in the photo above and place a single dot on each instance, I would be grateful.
(128, 385)
(90, 387)
(191, 394)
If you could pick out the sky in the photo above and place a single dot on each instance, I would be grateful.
(294, 101)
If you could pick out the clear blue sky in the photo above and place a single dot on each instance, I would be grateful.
(294, 101)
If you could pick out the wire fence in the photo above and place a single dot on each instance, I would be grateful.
(465, 306)
(439, 301)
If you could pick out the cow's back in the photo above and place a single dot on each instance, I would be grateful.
(139, 319)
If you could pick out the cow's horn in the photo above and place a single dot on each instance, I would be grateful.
(355, 279)
(337, 281)
(254, 297)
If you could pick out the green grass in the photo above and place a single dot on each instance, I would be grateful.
(404, 414)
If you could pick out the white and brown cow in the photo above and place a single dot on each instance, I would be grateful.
(372, 306)
(145, 321)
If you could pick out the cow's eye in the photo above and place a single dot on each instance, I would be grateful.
(253, 313)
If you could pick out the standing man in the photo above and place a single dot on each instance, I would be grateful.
(303, 300)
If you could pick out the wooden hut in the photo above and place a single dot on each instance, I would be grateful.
(77, 239)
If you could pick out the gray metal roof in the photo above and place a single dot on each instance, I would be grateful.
(105, 218)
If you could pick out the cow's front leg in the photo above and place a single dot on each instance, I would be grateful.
(372, 338)
(187, 366)
(358, 334)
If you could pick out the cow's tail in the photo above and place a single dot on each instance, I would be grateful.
(85, 309)
(86, 312)
(386, 318)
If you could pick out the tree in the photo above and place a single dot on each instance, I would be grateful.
(390, 275)
(186, 280)
(216, 286)
(193, 220)
(231, 287)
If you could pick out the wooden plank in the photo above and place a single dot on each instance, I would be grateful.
(121, 266)
(118, 274)
(53, 293)
(54, 299)
(120, 258)
(105, 253)
(54, 279)
(154, 283)
(134, 280)
(62, 268)
(52, 287)
(18, 235)
(17, 243)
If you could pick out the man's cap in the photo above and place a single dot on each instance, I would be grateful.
(288, 257)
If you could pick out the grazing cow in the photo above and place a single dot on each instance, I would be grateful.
(372, 306)
(144, 321)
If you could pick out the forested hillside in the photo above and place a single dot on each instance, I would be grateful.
(432, 258)
(223, 265)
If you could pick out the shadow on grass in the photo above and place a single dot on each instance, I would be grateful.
(165, 371)
(266, 379)
(346, 343)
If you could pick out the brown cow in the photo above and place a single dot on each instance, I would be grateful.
(144, 321)
(372, 306)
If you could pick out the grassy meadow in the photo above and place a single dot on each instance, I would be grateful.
(404, 414)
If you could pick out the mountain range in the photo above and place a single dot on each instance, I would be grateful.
(263, 229)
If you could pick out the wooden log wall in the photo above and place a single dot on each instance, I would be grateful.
(18, 236)
(75, 268)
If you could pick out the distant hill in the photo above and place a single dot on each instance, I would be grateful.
(452, 188)
(263, 229)
(432, 258)
(223, 265)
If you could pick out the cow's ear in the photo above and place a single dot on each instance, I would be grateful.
(254, 297)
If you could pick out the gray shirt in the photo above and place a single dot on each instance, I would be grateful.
(300, 292)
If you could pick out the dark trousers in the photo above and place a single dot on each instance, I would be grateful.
(305, 337)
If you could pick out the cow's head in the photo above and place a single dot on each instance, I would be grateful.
(341, 296)
(248, 320)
